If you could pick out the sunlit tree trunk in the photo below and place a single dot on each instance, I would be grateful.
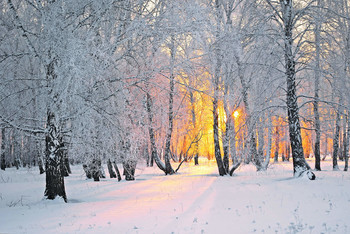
(193, 114)
(217, 150)
(216, 83)
(299, 163)
(277, 143)
(228, 136)
(233, 150)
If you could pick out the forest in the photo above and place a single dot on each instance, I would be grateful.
(168, 82)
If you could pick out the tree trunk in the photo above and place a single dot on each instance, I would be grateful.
(193, 113)
(269, 143)
(87, 171)
(253, 153)
(54, 160)
(261, 141)
(233, 149)
(168, 169)
(66, 167)
(216, 83)
(227, 133)
(217, 151)
(117, 170)
(336, 140)
(346, 148)
(300, 165)
(326, 149)
(129, 169)
(95, 169)
(39, 153)
(234, 167)
(16, 149)
(344, 143)
(150, 159)
(3, 154)
(154, 153)
(277, 143)
(317, 123)
(110, 169)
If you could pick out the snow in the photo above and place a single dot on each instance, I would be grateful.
(196, 200)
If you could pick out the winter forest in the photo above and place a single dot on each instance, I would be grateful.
(231, 89)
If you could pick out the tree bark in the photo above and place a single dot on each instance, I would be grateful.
(3, 144)
(325, 148)
(277, 143)
(269, 143)
(154, 153)
(117, 170)
(87, 171)
(300, 165)
(317, 123)
(226, 134)
(216, 83)
(66, 167)
(129, 169)
(110, 169)
(261, 141)
(217, 150)
(193, 114)
(346, 148)
(253, 153)
(53, 141)
(168, 168)
(54, 160)
(150, 159)
(39, 154)
(233, 149)
(336, 140)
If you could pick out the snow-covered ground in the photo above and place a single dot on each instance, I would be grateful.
(196, 200)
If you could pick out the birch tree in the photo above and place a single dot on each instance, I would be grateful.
(287, 17)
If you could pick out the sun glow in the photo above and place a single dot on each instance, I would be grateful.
(236, 114)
